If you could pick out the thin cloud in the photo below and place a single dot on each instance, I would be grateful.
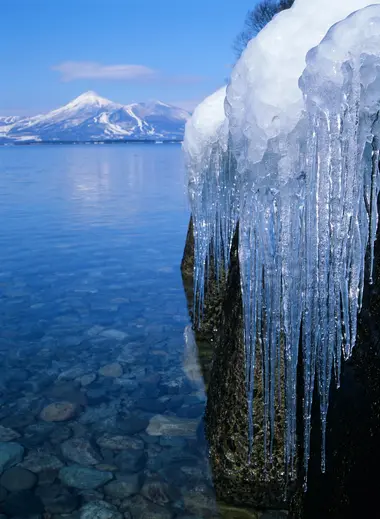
(72, 70)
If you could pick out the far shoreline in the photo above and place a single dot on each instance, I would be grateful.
(100, 142)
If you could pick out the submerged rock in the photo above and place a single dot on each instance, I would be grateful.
(151, 405)
(133, 424)
(19, 420)
(123, 486)
(86, 380)
(7, 434)
(131, 460)
(96, 415)
(99, 510)
(35, 434)
(17, 478)
(3, 495)
(91, 495)
(60, 434)
(47, 477)
(95, 330)
(57, 499)
(119, 443)
(157, 491)
(113, 370)
(23, 504)
(67, 391)
(80, 451)
(106, 467)
(142, 508)
(200, 503)
(84, 478)
(72, 373)
(10, 454)
(39, 461)
(97, 395)
(59, 412)
(162, 425)
(114, 334)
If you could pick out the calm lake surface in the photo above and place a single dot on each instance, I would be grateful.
(101, 396)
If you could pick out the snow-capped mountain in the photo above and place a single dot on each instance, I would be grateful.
(90, 117)
(6, 120)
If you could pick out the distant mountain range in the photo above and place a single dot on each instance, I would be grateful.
(91, 118)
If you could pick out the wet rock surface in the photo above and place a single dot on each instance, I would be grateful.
(236, 480)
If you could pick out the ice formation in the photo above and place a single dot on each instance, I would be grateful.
(210, 177)
(302, 136)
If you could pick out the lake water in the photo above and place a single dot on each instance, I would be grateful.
(100, 392)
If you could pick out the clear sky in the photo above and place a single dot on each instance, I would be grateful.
(177, 51)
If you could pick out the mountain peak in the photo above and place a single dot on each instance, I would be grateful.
(90, 117)
(90, 98)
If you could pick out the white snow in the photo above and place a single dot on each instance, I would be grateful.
(27, 138)
(263, 93)
(9, 119)
(90, 98)
(129, 111)
(202, 130)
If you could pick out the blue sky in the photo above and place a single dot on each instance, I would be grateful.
(127, 50)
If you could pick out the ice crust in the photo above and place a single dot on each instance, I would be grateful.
(263, 93)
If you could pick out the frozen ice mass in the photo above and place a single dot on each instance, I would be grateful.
(290, 151)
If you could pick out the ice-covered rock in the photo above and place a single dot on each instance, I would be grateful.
(302, 129)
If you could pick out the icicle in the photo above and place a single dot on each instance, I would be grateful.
(373, 204)
(212, 179)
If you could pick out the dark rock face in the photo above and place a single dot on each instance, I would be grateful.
(207, 334)
(236, 480)
(349, 487)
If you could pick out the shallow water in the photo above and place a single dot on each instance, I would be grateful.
(90, 247)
